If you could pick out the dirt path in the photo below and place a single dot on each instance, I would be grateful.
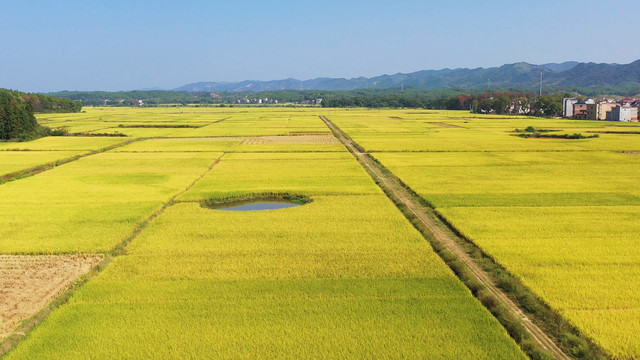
(427, 217)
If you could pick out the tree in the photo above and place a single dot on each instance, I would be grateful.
(475, 106)
(502, 104)
(547, 105)
(16, 119)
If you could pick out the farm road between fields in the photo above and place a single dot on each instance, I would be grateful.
(425, 215)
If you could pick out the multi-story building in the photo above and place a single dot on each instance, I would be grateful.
(567, 106)
(580, 110)
(605, 107)
(622, 113)
(635, 115)
(621, 110)
(592, 112)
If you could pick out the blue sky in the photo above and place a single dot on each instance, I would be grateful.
(124, 45)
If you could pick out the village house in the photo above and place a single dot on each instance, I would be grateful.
(592, 112)
(624, 113)
(626, 101)
(580, 111)
(622, 110)
(567, 107)
(604, 107)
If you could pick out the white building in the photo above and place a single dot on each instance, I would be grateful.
(567, 107)
(622, 113)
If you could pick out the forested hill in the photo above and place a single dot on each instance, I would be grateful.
(17, 121)
(39, 103)
(518, 75)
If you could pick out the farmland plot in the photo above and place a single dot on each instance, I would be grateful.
(391, 131)
(343, 276)
(562, 215)
(92, 204)
(306, 174)
(305, 282)
(15, 161)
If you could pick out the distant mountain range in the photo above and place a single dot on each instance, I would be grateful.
(518, 75)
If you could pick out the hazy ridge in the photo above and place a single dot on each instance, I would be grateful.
(518, 75)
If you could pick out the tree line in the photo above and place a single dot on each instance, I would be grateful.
(40, 103)
(163, 97)
(17, 120)
(509, 103)
(503, 101)
(492, 102)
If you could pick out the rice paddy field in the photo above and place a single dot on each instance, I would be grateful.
(14, 161)
(563, 215)
(342, 276)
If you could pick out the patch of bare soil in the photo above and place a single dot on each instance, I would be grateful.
(29, 282)
(633, 153)
(218, 138)
(291, 140)
(305, 133)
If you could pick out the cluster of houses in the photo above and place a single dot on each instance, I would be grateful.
(621, 110)
(121, 102)
(257, 101)
(275, 101)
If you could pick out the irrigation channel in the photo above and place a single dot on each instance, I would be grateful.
(400, 195)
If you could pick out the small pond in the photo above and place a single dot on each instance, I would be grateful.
(255, 206)
(256, 202)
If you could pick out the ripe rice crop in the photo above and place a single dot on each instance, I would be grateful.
(583, 260)
(182, 145)
(13, 161)
(67, 143)
(93, 203)
(400, 131)
(303, 173)
(343, 276)
(305, 282)
(210, 121)
(562, 215)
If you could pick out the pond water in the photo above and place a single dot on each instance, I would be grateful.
(255, 206)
